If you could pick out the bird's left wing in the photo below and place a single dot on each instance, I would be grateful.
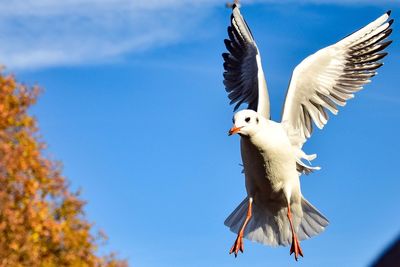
(331, 76)
(243, 77)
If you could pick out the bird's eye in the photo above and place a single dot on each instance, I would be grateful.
(247, 119)
(257, 120)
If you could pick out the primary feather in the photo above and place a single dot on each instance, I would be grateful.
(243, 77)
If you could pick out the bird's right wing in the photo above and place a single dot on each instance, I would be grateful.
(243, 77)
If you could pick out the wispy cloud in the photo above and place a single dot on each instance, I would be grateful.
(43, 33)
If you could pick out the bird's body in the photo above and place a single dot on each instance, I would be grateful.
(269, 163)
(272, 183)
(274, 211)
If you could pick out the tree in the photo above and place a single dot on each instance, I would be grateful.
(42, 223)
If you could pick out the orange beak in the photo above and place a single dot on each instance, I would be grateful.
(234, 130)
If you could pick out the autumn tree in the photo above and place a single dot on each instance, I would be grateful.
(42, 222)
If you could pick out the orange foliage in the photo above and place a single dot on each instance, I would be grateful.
(41, 222)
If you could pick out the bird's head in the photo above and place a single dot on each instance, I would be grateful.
(245, 123)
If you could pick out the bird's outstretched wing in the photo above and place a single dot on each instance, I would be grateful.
(331, 76)
(243, 77)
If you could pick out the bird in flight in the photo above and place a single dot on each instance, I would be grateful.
(274, 211)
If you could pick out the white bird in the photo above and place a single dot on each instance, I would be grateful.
(274, 211)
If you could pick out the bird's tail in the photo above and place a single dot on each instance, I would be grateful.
(273, 229)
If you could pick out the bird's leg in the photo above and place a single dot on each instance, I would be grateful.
(238, 245)
(295, 242)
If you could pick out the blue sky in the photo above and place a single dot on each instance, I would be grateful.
(135, 108)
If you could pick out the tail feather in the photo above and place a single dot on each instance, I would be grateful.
(236, 219)
(312, 223)
(273, 229)
(263, 227)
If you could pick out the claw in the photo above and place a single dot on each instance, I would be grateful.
(295, 248)
(237, 246)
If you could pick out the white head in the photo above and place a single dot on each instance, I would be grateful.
(246, 123)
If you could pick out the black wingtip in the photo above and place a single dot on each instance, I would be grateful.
(231, 5)
(227, 42)
(389, 12)
(390, 22)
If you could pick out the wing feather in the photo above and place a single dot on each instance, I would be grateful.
(243, 76)
(331, 76)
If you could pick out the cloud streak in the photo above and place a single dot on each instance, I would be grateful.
(50, 33)
(46, 33)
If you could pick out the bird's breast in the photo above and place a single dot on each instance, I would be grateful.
(267, 167)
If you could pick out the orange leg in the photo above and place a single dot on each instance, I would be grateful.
(295, 242)
(238, 245)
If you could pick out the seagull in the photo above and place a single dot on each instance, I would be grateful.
(275, 211)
